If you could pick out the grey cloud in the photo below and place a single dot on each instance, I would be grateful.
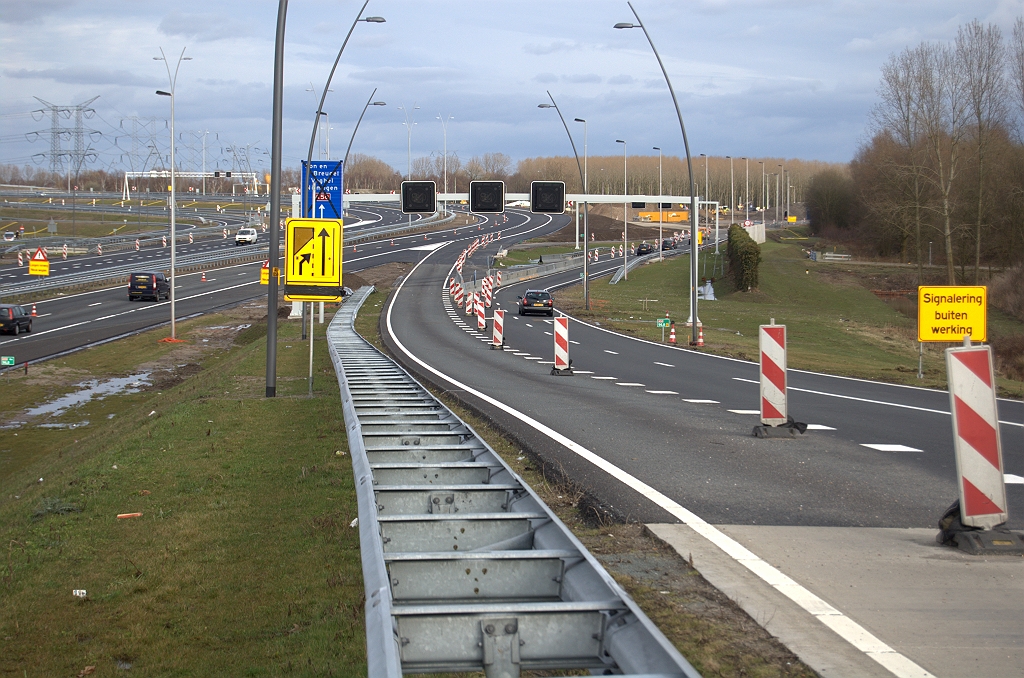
(545, 78)
(551, 48)
(81, 76)
(582, 78)
(30, 11)
(202, 27)
(624, 79)
(398, 75)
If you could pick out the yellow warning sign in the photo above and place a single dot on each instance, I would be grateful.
(39, 264)
(313, 259)
(265, 272)
(948, 312)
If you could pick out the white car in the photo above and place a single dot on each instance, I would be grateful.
(246, 236)
(10, 236)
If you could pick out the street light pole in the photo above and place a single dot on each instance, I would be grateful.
(706, 197)
(586, 191)
(369, 102)
(408, 126)
(689, 167)
(444, 128)
(661, 211)
(586, 268)
(732, 198)
(625, 215)
(764, 193)
(746, 192)
(173, 80)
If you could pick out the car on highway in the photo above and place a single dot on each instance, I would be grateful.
(668, 244)
(14, 319)
(148, 285)
(644, 248)
(10, 236)
(246, 236)
(536, 301)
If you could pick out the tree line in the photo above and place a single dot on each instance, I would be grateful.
(944, 166)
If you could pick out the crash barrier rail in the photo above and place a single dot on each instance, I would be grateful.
(371, 233)
(183, 264)
(465, 568)
(117, 243)
(637, 261)
(829, 256)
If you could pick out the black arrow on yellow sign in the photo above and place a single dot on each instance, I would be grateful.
(324, 237)
(304, 259)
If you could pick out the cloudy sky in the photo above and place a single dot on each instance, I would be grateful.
(780, 78)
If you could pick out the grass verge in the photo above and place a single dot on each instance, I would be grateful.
(243, 561)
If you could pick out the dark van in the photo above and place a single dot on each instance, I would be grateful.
(14, 319)
(148, 285)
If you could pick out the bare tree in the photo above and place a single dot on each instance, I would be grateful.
(1017, 72)
(980, 53)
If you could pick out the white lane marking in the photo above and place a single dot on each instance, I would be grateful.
(547, 333)
(574, 342)
(546, 362)
(529, 325)
(819, 427)
(96, 304)
(1011, 479)
(582, 371)
(846, 628)
(663, 392)
(532, 357)
(605, 378)
(700, 401)
(663, 364)
(612, 352)
(749, 381)
(745, 411)
(628, 383)
(43, 315)
(520, 354)
(886, 447)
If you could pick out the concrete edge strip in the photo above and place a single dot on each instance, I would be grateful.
(846, 628)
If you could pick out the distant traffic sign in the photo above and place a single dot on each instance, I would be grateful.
(6, 361)
(313, 258)
(948, 312)
(748, 223)
(664, 322)
(265, 273)
(39, 264)
(321, 198)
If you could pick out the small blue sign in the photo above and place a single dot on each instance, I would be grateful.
(321, 198)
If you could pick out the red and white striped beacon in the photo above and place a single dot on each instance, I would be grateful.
(561, 366)
(772, 342)
(481, 313)
(976, 442)
(498, 329)
(458, 295)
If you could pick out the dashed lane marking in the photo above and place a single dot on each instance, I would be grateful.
(885, 447)
(574, 342)
(1011, 479)
(629, 383)
(700, 401)
(612, 352)
(663, 392)
(745, 411)
(605, 378)
(663, 364)
(819, 427)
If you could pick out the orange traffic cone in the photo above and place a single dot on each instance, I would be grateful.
(204, 277)
(672, 333)
(34, 314)
(353, 248)
(700, 336)
(392, 242)
(424, 236)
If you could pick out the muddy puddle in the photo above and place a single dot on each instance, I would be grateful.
(84, 392)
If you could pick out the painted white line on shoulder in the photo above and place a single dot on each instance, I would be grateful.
(886, 447)
(612, 352)
(700, 401)
(749, 381)
(574, 342)
(546, 362)
(547, 333)
(583, 371)
(531, 357)
(520, 354)
(663, 392)
(1011, 479)
(745, 411)
(663, 364)
(819, 427)
(846, 628)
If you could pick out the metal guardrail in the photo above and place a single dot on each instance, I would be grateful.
(371, 233)
(465, 568)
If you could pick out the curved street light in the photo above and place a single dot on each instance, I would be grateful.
(625, 213)
(369, 102)
(173, 80)
(689, 166)
(586, 281)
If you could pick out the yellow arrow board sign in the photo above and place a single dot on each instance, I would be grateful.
(313, 249)
(947, 313)
(39, 264)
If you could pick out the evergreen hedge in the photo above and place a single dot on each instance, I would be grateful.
(744, 257)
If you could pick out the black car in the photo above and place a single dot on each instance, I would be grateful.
(537, 301)
(14, 319)
(668, 244)
(644, 248)
(148, 285)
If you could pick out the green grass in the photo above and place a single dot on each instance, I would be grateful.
(529, 255)
(834, 323)
(243, 562)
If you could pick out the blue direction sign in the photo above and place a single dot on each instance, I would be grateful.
(321, 198)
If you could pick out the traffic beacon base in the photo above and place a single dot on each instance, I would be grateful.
(775, 419)
(976, 522)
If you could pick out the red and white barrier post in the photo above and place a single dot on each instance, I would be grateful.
(772, 342)
(498, 278)
(64, 252)
(163, 241)
(21, 260)
(563, 366)
(976, 442)
(136, 244)
(481, 313)
(775, 419)
(458, 295)
(190, 240)
(498, 329)
(99, 249)
(471, 302)
(488, 292)
(225, 233)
